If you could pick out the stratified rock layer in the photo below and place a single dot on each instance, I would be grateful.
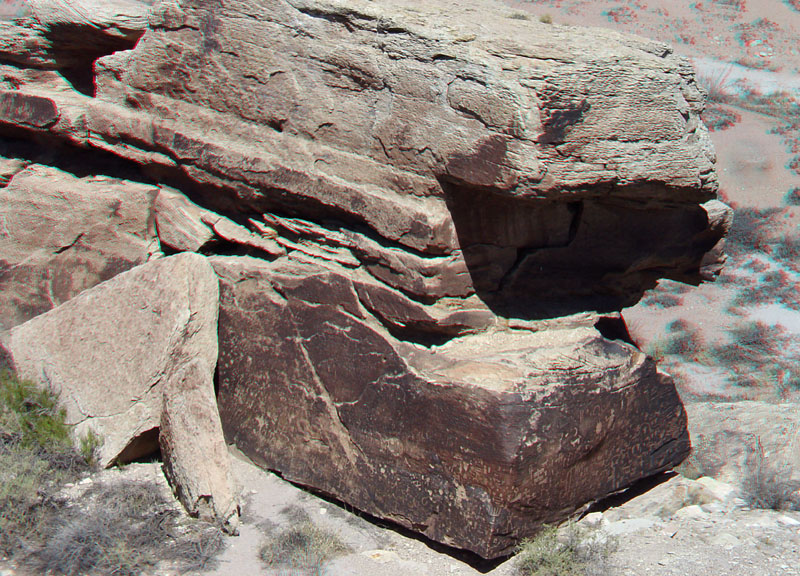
(424, 216)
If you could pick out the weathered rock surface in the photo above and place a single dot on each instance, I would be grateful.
(475, 443)
(135, 353)
(559, 175)
(405, 199)
(61, 235)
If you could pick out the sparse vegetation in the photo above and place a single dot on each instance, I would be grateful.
(768, 484)
(36, 455)
(717, 85)
(684, 340)
(303, 547)
(519, 16)
(573, 551)
(546, 19)
(122, 528)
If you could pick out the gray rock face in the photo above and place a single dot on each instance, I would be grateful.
(136, 353)
(424, 216)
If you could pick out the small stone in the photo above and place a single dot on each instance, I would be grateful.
(694, 512)
(382, 556)
(726, 541)
(628, 526)
(594, 520)
(720, 490)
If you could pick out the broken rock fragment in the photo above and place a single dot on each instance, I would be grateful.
(132, 355)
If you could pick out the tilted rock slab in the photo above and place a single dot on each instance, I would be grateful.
(475, 444)
(133, 354)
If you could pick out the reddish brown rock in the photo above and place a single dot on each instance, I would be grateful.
(423, 191)
(476, 443)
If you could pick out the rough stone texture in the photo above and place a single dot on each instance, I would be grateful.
(134, 355)
(109, 352)
(534, 157)
(185, 226)
(196, 460)
(428, 211)
(475, 443)
(60, 235)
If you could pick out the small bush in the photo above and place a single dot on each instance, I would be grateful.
(36, 455)
(546, 19)
(577, 551)
(717, 85)
(91, 443)
(124, 528)
(684, 340)
(769, 485)
(519, 16)
(303, 547)
(31, 416)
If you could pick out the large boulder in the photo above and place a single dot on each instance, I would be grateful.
(135, 354)
(556, 170)
(424, 215)
(476, 443)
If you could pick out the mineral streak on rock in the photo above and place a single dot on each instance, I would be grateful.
(425, 218)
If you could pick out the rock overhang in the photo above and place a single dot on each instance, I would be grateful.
(424, 193)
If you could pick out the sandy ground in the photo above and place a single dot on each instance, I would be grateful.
(675, 529)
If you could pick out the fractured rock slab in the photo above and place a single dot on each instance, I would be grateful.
(133, 354)
(475, 443)
(60, 235)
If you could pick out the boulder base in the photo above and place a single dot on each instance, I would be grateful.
(135, 354)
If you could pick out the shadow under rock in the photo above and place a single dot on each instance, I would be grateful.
(541, 258)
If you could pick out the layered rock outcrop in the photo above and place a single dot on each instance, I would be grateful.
(424, 219)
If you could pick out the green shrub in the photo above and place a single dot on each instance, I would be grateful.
(31, 415)
(577, 551)
(91, 442)
(36, 455)
(124, 528)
